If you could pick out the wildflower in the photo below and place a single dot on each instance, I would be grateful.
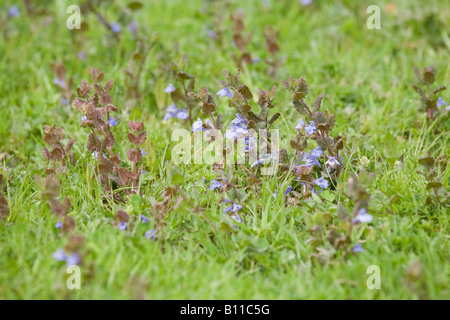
(59, 255)
(310, 128)
(362, 216)
(236, 217)
(275, 193)
(122, 225)
(65, 101)
(83, 118)
(299, 125)
(237, 129)
(358, 248)
(214, 185)
(13, 12)
(132, 26)
(310, 160)
(173, 112)
(305, 2)
(112, 122)
(262, 160)
(81, 55)
(317, 152)
(225, 92)
(58, 225)
(150, 234)
(95, 155)
(73, 259)
(198, 125)
(144, 219)
(170, 88)
(143, 153)
(322, 182)
(288, 190)
(115, 27)
(256, 60)
(332, 162)
(440, 102)
(59, 82)
(234, 207)
(211, 34)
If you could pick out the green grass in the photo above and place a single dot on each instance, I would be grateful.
(366, 77)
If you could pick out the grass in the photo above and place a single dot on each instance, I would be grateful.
(366, 77)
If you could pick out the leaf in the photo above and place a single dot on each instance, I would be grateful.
(135, 5)
(317, 103)
(434, 184)
(274, 118)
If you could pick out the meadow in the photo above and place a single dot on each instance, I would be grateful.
(357, 208)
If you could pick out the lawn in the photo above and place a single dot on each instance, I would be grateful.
(146, 226)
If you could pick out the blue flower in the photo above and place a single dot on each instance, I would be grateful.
(211, 34)
(59, 255)
(143, 153)
(265, 159)
(198, 125)
(83, 118)
(237, 129)
(310, 160)
(58, 225)
(317, 152)
(305, 2)
(310, 128)
(362, 216)
(59, 82)
(169, 88)
(173, 112)
(65, 101)
(144, 219)
(13, 12)
(73, 259)
(115, 27)
(112, 122)
(322, 182)
(288, 190)
(332, 162)
(150, 234)
(225, 92)
(358, 248)
(275, 193)
(236, 217)
(214, 185)
(440, 102)
(132, 26)
(122, 225)
(299, 125)
(234, 207)
(81, 55)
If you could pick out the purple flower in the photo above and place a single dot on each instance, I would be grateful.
(358, 248)
(236, 217)
(299, 125)
(275, 193)
(310, 160)
(288, 189)
(169, 88)
(65, 101)
(440, 102)
(322, 182)
(73, 259)
(81, 55)
(362, 216)
(215, 185)
(305, 2)
(332, 162)
(132, 26)
(198, 125)
(83, 118)
(13, 12)
(143, 153)
(122, 226)
(115, 27)
(310, 128)
(150, 234)
(59, 82)
(317, 152)
(265, 159)
(112, 122)
(234, 207)
(58, 225)
(225, 92)
(144, 219)
(59, 255)
(237, 129)
(256, 60)
(173, 112)
(211, 34)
